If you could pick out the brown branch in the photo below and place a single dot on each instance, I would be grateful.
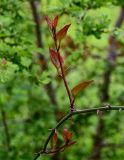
(6, 129)
(98, 139)
(42, 59)
(120, 18)
(34, 4)
(43, 62)
(65, 82)
(57, 47)
(85, 111)
(63, 75)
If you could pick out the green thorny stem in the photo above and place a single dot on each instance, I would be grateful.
(57, 47)
(69, 115)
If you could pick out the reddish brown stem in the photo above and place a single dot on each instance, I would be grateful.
(62, 73)
(64, 79)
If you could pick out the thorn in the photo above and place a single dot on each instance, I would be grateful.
(59, 75)
(78, 110)
(120, 109)
(99, 113)
(108, 106)
(50, 129)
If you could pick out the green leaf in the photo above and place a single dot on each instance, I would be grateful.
(44, 78)
(26, 62)
(7, 70)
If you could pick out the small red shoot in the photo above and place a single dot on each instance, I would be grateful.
(67, 135)
(55, 22)
(52, 23)
(49, 22)
(54, 138)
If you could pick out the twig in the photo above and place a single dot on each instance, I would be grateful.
(64, 80)
(70, 114)
(36, 17)
(62, 72)
(6, 130)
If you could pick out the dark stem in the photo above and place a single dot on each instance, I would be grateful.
(42, 59)
(6, 129)
(98, 138)
(120, 18)
(64, 80)
(85, 111)
(37, 19)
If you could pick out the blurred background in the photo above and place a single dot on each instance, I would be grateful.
(33, 97)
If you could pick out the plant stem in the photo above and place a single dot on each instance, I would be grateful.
(63, 75)
(38, 31)
(111, 65)
(70, 114)
(64, 79)
(6, 129)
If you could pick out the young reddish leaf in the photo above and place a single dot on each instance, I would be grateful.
(54, 138)
(79, 87)
(67, 135)
(55, 58)
(49, 22)
(62, 32)
(52, 23)
(55, 22)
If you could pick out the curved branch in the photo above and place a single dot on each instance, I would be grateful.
(70, 114)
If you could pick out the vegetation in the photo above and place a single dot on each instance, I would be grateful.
(61, 79)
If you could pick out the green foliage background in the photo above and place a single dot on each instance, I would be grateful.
(23, 97)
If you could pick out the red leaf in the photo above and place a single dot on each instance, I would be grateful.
(55, 58)
(62, 32)
(54, 137)
(52, 23)
(49, 22)
(79, 87)
(55, 22)
(67, 135)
